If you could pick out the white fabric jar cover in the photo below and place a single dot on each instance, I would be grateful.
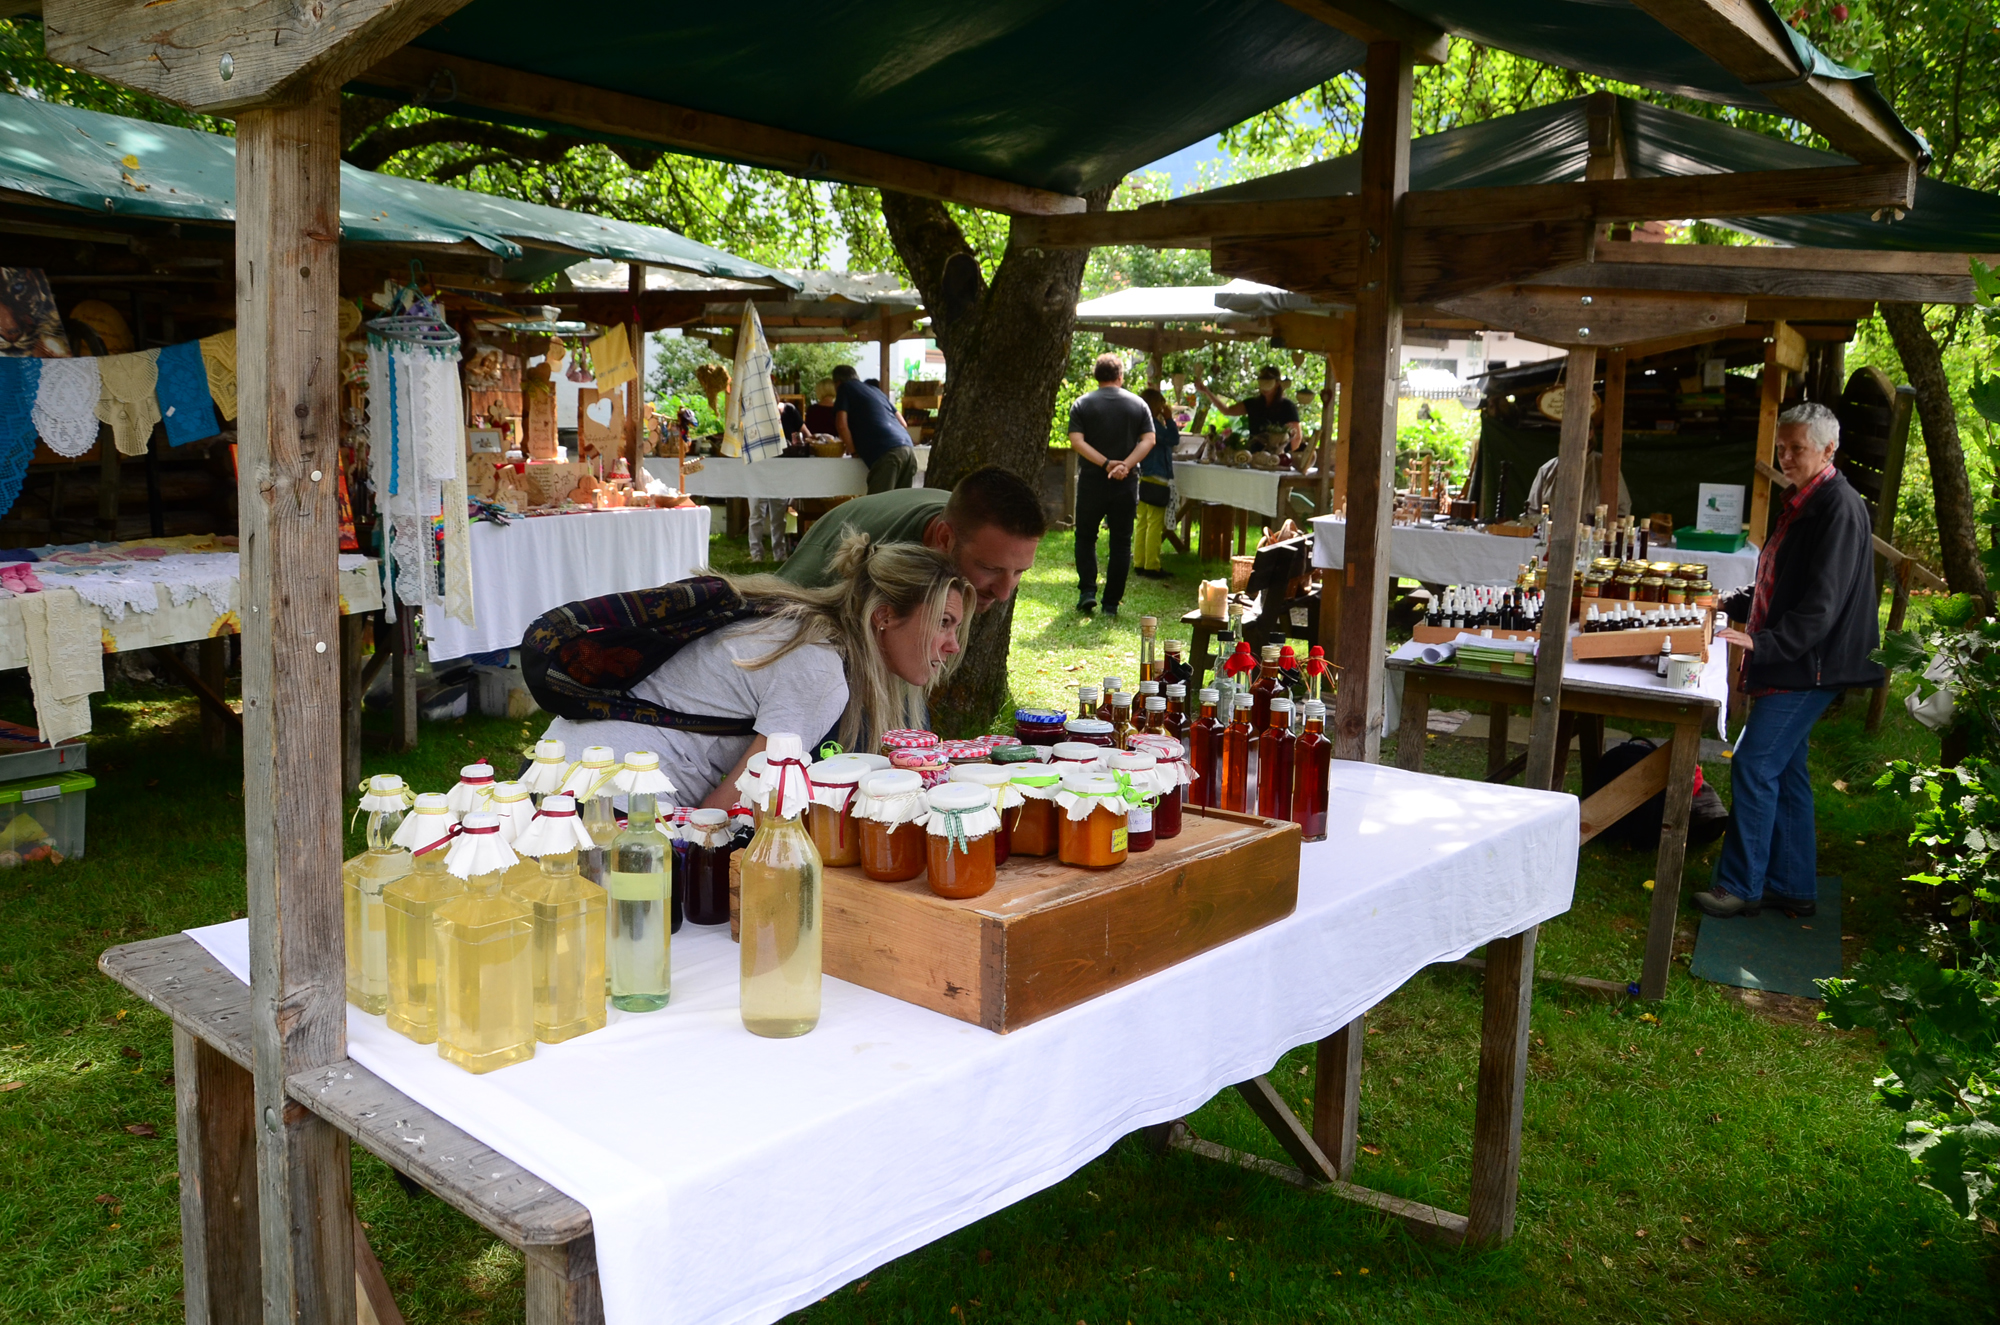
(962, 812)
(998, 780)
(892, 797)
(1082, 793)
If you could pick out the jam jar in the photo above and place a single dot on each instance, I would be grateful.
(1091, 830)
(830, 817)
(1076, 754)
(1038, 726)
(908, 738)
(710, 844)
(889, 810)
(1141, 768)
(1089, 731)
(1031, 826)
(959, 840)
(1000, 782)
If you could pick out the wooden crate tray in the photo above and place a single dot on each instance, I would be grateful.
(1050, 936)
(1637, 643)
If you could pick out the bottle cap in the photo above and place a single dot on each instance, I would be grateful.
(1156, 704)
(1112, 685)
(1279, 704)
(1174, 646)
(1121, 699)
(1149, 624)
(1149, 687)
(1088, 693)
(1089, 726)
(1210, 695)
(1177, 691)
(1270, 653)
(709, 818)
(1314, 708)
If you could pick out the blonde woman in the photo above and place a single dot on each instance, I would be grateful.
(747, 656)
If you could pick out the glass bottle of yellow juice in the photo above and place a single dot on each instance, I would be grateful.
(510, 803)
(780, 903)
(410, 905)
(484, 940)
(475, 784)
(383, 800)
(640, 879)
(568, 950)
(590, 783)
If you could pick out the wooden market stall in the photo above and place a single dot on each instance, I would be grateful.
(272, 1088)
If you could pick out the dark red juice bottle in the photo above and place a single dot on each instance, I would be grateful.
(1312, 755)
(1205, 752)
(1274, 762)
(1234, 792)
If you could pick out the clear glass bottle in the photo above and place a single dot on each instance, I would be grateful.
(568, 912)
(362, 882)
(779, 904)
(1121, 719)
(486, 1015)
(1149, 665)
(590, 783)
(409, 906)
(641, 903)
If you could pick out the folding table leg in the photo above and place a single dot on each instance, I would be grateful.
(1414, 726)
(562, 1284)
(215, 671)
(1496, 738)
(1503, 1083)
(404, 675)
(1337, 1095)
(214, 1106)
(351, 628)
(1673, 855)
(1271, 1109)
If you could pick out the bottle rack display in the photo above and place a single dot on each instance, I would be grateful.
(1690, 632)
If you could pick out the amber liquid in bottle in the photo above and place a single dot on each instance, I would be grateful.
(1266, 685)
(1234, 766)
(486, 1008)
(411, 904)
(568, 953)
(1275, 750)
(1205, 754)
(1176, 724)
(1312, 755)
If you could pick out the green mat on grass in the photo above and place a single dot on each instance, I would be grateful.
(1772, 951)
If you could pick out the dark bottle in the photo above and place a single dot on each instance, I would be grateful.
(1274, 762)
(1234, 770)
(710, 844)
(1205, 752)
(1312, 755)
(1176, 670)
(1177, 724)
(1264, 689)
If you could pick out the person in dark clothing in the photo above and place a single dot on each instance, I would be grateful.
(1156, 488)
(821, 417)
(1264, 412)
(1809, 628)
(868, 424)
(1111, 431)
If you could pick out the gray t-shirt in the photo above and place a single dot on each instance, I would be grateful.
(803, 692)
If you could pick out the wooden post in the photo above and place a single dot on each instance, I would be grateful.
(1892, 477)
(287, 301)
(215, 672)
(1899, 606)
(888, 387)
(1337, 1095)
(350, 702)
(1503, 1084)
(1673, 854)
(1614, 430)
(1344, 427)
(1579, 377)
(214, 1123)
(403, 678)
(1769, 402)
(1323, 451)
(1378, 351)
(635, 416)
(108, 461)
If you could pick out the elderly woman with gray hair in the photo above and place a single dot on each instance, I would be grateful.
(1809, 627)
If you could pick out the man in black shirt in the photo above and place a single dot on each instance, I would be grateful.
(868, 423)
(1265, 411)
(1110, 430)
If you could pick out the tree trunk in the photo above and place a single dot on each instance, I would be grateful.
(1957, 520)
(1006, 346)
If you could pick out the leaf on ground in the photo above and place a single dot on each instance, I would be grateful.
(142, 1129)
(12, 1085)
(1372, 1150)
(129, 1052)
(1692, 1243)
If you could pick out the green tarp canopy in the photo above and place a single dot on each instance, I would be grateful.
(79, 158)
(1065, 95)
(1551, 145)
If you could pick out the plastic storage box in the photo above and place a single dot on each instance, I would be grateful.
(23, 755)
(1690, 539)
(42, 818)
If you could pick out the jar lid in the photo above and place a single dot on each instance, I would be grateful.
(1089, 726)
(1015, 754)
(965, 752)
(842, 769)
(961, 796)
(1091, 782)
(708, 818)
(982, 775)
(909, 738)
(1078, 752)
(1132, 761)
(1040, 717)
(998, 742)
(892, 782)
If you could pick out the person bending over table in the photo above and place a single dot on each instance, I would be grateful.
(1810, 628)
(1111, 431)
(1156, 488)
(871, 430)
(989, 525)
(846, 662)
(1265, 411)
(1542, 490)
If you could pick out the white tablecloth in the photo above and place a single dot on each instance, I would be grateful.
(720, 476)
(734, 1179)
(524, 568)
(1460, 556)
(1246, 489)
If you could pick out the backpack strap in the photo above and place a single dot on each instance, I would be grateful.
(581, 660)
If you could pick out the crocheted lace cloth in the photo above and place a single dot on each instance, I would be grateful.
(19, 383)
(218, 356)
(127, 401)
(416, 457)
(66, 405)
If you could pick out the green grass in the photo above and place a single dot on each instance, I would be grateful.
(1740, 1140)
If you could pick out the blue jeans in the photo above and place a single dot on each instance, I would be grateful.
(1771, 846)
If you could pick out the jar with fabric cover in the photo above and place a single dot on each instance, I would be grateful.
(1171, 773)
(409, 907)
(999, 781)
(1140, 771)
(567, 950)
(1091, 830)
(959, 839)
(1076, 754)
(1010, 755)
(710, 842)
(835, 783)
(486, 1017)
(889, 810)
(1032, 826)
(384, 799)
(780, 903)
(475, 784)
(1088, 731)
(1038, 726)
(929, 765)
(908, 738)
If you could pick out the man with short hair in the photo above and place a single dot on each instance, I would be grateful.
(868, 424)
(1111, 430)
(1266, 410)
(989, 525)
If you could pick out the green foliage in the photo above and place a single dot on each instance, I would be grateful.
(1958, 827)
(1942, 1028)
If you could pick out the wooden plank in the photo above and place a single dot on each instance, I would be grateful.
(223, 55)
(1746, 39)
(1858, 188)
(1803, 279)
(1895, 556)
(178, 978)
(214, 1125)
(1686, 748)
(1413, 726)
(1770, 400)
(1899, 605)
(1277, 1116)
(212, 702)
(1337, 1095)
(352, 687)
(371, 1286)
(1185, 225)
(1612, 428)
(1370, 21)
(1611, 989)
(1579, 380)
(1788, 348)
(287, 237)
(1750, 258)
(1378, 354)
(1502, 1088)
(412, 72)
(562, 1285)
(1577, 696)
(1565, 317)
(1424, 1221)
(1310, 264)
(215, 729)
(1441, 263)
(1625, 793)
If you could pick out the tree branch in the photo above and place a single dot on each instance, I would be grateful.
(380, 145)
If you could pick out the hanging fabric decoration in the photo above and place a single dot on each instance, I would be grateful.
(185, 405)
(417, 456)
(611, 357)
(750, 424)
(66, 405)
(218, 356)
(127, 401)
(20, 380)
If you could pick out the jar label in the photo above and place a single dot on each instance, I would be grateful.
(1118, 839)
(637, 887)
(1139, 819)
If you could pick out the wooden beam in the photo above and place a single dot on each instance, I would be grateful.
(1370, 21)
(215, 1130)
(1441, 263)
(1743, 38)
(219, 56)
(1613, 431)
(1739, 193)
(1895, 556)
(1626, 793)
(1284, 1125)
(1163, 340)
(1805, 280)
(1788, 348)
(1566, 317)
(1544, 717)
(1378, 354)
(1665, 912)
(478, 86)
(1770, 399)
(1337, 1095)
(288, 379)
(1184, 225)
(1325, 264)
